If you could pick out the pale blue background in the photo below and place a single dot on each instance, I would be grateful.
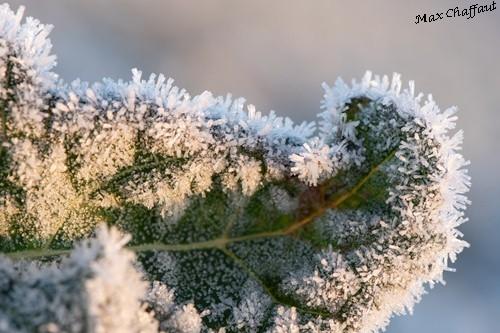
(276, 54)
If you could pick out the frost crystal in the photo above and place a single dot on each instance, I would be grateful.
(312, 162)
(96, 289)
(236, 221)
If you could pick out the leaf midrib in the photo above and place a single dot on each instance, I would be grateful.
(223, 241)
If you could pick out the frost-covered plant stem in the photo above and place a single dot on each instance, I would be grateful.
(235, 221)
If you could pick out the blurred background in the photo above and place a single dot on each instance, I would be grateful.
(277, 53)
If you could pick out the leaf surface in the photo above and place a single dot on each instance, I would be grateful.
(259, 224)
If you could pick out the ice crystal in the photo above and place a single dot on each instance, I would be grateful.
(312, 162)
(237, 221)
(96, 289)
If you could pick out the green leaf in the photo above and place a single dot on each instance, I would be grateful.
(220, 202)
(222, 239)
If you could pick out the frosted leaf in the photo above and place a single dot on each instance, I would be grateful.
(238, 221)
(82, 293)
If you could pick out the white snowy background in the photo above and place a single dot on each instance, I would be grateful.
(277, 53)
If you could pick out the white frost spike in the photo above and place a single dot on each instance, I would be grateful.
(312, 162)
(30, 42)
(111, 307)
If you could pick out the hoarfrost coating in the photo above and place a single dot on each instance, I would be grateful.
(330, 226)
